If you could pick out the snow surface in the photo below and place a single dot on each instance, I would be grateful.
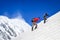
(48, 31)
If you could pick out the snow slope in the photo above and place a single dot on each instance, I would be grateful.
(48, 31)
(11, 28)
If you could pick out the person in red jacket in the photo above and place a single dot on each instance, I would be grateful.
(34, 21)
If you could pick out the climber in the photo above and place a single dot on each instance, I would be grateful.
(34, 21)
(45, 17)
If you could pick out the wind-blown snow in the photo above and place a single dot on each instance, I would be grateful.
(48, 31)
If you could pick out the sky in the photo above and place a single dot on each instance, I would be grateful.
(29, 9)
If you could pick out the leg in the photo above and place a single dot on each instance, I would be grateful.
(44, 21)
(36, 26)
(32, 28)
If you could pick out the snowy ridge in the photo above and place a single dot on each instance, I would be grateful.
(48, 31)
(18, 29)
(11, 28)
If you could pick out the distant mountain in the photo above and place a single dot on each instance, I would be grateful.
(10, 28)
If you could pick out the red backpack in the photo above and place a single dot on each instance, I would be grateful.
(35, 19)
